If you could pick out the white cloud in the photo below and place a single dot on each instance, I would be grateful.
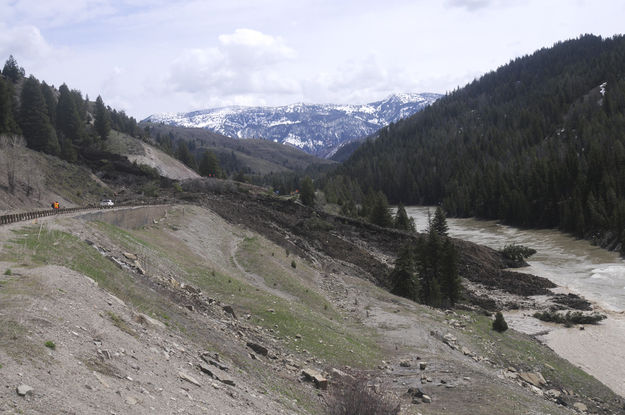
(246, 61)
(24, 42)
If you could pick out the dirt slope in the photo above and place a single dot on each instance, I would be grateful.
(141, 303)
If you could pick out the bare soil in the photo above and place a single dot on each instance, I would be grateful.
(214, 277)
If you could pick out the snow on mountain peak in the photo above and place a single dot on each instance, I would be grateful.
(314, 128)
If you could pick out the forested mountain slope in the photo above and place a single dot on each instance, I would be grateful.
(538, 142)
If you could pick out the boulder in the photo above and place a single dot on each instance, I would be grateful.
(229, 310)
(23, 390)
(533, 378)
(426, 399)
(188, 378)
(130, 256)
(261, 350)
(422, 365)
(580, 407)
(315, 377)
(404, 363)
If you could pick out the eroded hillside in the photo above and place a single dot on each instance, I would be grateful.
(218, 307)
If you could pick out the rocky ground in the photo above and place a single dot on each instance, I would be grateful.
(243, 303)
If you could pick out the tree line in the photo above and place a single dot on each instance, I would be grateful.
(540, 142)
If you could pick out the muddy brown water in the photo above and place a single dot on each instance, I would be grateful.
(576, 265)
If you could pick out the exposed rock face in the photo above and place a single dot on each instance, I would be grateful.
(316, 377)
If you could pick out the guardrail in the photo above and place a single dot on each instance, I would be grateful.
(18, 217)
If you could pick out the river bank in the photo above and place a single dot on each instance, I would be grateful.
(576, 267)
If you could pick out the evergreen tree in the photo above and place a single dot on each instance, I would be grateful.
(403, 221)
(429, 269)
(380, 214)
(209, 165)
(102, 121)
(12, 71)
(50, 99)
(68, 122)
(184, 155)
(34, 121)
(8, 123)
(499, 324)
(403, 278)
(449, 278)
(307, 192)
(439, 222)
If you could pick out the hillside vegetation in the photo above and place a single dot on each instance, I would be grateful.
(538, 142)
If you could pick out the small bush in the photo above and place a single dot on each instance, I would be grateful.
(569, 318)
(499, 324)
(50, 344)
(293, 264)
(8, 272)
(356, 398)
(517, 253)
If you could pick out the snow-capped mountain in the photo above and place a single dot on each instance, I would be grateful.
(316, 129)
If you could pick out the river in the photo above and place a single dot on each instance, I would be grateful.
(576, 266)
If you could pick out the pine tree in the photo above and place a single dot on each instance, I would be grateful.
(184, 155)
(34, 121)
(403, 221)
(68, 122)
(449, 278)
(439, 222)
(50, 99)
(499, 324)
(380, 214)
(403, 278)
(209, 165)
(8, 123)
(12, 70)
(102, 121)
(307, 192)
(429, 261)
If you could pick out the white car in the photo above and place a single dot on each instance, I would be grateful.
(106, 202)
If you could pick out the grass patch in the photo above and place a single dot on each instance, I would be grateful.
(8, 272)
(15, 343)
(37, 246)
(50, 344)
(121, 324)
(527, 354)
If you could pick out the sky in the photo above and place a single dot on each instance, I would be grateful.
(153, 56)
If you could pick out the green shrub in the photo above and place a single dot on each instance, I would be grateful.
(499, 324)
(569, 318)
(293, 264)
(50, 344)
(8, 272)
(517, 253)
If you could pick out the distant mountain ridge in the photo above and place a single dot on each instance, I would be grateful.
(318, 129)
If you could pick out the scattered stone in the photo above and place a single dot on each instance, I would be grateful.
(23, 390)
(341, 374)
(533, 378)
(404, 363)
(415, 392)
(426, 399)
(130, 256)
(466, 351)
(139, 268)
(554, 393)
(190, 307)
(315, 377)
(511, 369)
(215, 374)
(229, 310)
(298, 336)
(188, 378)
(261, 350)
(580, 407)
(422, 365)
(131, 400)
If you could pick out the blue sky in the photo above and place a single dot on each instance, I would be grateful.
(180, 55)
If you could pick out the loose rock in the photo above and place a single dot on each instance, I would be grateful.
(23, 390)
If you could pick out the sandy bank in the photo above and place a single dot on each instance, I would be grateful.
(598, 349)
